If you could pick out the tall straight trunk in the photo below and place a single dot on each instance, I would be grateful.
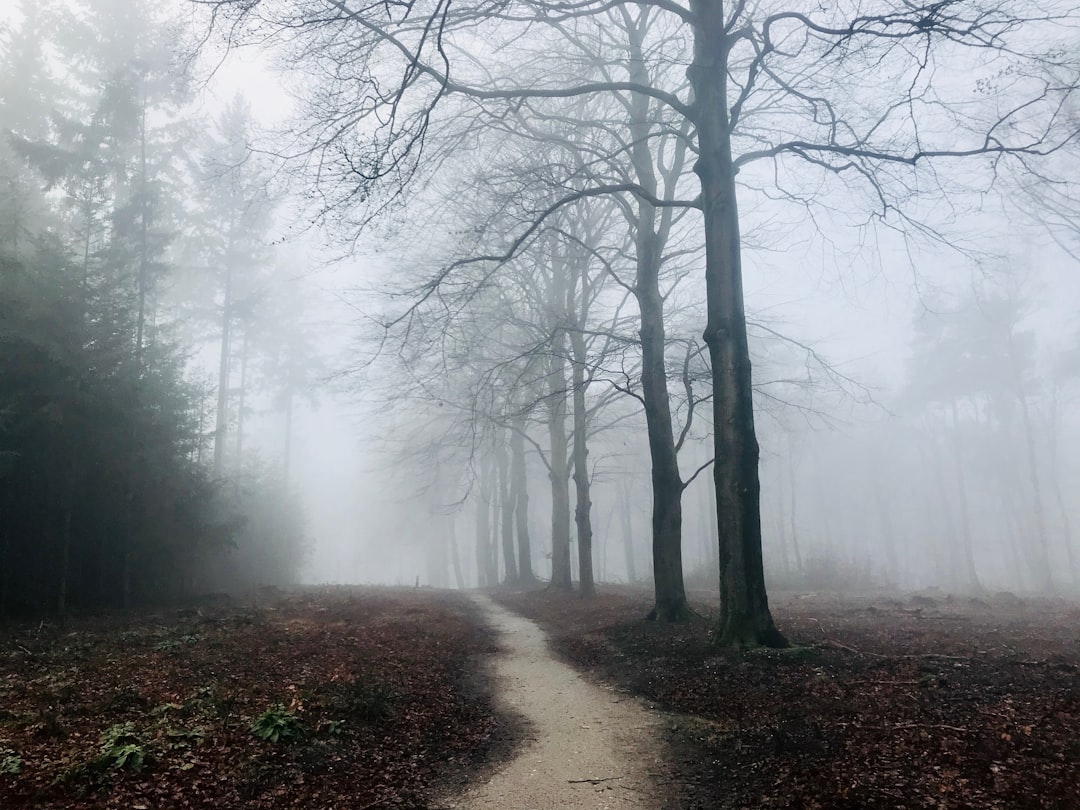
(583, 505)
(667, 486)
(628, 532)
(142, 280)
(221, 420)
(506, 512)
(241, 395)
(745, 619)
(519, 482)
(483, 534)
(792, 522)
(1059, 497)
(142, 283)
(559, 472)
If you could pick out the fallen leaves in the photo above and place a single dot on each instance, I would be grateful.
(964, 704)
(365, 698)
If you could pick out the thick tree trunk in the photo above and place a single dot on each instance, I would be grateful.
(519, 481)
(745, 619)
(583, 506)
(667, 485)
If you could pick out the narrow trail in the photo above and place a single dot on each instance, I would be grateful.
(587, 748)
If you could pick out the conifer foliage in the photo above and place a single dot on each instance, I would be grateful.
(107, 492)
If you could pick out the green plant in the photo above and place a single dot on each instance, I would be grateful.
(121, 748)
(277, 724)
(331, 728)
(10, 763)
(185, 737)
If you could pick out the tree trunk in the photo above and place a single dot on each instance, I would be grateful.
(483, 535)
(628, 533)
(792, 522)
(221, 420)
(667, 486)
(559, 473)
(745, 619)
(583, 506)
(241, 395)
(520, 486)
(506, 511)
(1055, 484)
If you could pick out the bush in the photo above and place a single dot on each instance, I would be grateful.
(277, 724)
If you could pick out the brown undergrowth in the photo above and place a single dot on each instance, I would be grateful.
(902, 702)
(320, 699)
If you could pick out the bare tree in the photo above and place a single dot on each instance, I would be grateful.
(847, 94)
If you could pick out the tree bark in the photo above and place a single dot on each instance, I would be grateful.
(667, 486)
(483, 535)
(745, 619)
(520, 485)
(583, 505)
(559, 474)
(506, 513)
(221, 419)
(628, 533)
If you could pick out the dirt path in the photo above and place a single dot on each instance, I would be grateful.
(588, 747)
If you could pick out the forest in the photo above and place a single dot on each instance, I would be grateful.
(135, 240)
(733, 343)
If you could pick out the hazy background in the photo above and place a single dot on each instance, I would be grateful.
(864, 474)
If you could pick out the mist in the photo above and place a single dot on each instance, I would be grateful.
(273, 315)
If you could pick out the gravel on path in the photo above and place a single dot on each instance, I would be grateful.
(586, 746)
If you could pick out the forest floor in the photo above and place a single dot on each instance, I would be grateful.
(377, 698)
(886, 702)
(383, 698)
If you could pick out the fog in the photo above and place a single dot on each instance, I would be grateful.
(330, 325)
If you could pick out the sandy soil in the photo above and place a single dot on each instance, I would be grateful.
(586, 746)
